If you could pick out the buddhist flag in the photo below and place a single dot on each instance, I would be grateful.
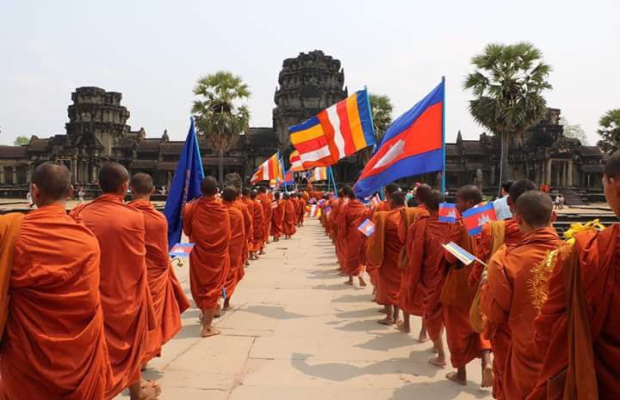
(295, 161)
(318, 174)
(269, 170)
(335, 133)
(477, 216)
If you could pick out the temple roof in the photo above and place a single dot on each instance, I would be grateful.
(473, 147)
(590, 151)
(262, 137)
(146, 164)
(14, 152)
(149, 145)
(38, 145)
(452, 149)
(172, 148)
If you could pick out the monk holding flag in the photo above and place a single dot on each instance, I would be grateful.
(169, 300)
(54, 343)
(290, 216)
(206, 222)
(256, 238)
(578, 339)
(507, 296)
(127, 303)
(457, 296)
(349, 220)
(235, 245)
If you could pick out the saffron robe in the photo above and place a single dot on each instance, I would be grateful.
(384, 247)
(579, 339)
(506, 298)
(267, 212)
(235, 248)
(127, 303)
(207, 224)
(349, 219)
(258, 231)
(169, 300)
(301, 210)
(289, 225)
(244, 205)
(54, 345)
(277, 219)
(410, 297)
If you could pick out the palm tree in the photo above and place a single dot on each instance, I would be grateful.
(381, 110)
(507, 83)
(610, 131)
(217, 113)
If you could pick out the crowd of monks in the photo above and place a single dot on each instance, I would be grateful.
(89, 297)
(536, 310)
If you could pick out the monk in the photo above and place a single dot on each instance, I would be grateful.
(578, 340)
(301, 210)
(264, 199)
(384, 247)
(127, 303)
(206, 221)
(389, 189)
(457, 296)
(54, 342)
(410, 298)
(349, 220)
(169, 300)
(246, 206)
(256, 237)
(507, 298)
(277, 217)
(493, 236)
(235, 245)
(290, 216)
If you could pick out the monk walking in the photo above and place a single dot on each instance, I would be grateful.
(507, 296)
(54, 343)
(127, 304)
(235, 245)
(457, 296)
(256, 238)
(206, 221)
(301, 209)
(277, 217)
(267, 214)
(290, 216)
(169, 300)
(579, 339)
(349, 220)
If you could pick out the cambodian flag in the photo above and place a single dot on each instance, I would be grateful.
(412, 145)
(375, 201)
(477, 216)
(448, 212)
(181, 249)
(367, 228)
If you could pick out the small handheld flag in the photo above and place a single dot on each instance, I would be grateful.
(315, 211)
(321, 202)
(448, 212)
(181, 249)
(460, 253)
(367, 228)
(327, 210)
(477, 216)
(375, 201)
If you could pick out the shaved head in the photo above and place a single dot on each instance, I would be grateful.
(230, 194)
(612, 166)
(142, 184)
(112, 177)
(535, 208)
(262, 189)
(245, 192)
(422, 193)
(519, 187)
(390, 189)
(433, 199)
(53, 181)
(398, 199)
(611, 182)
(253, 194)
(468, 196)
(208, 186)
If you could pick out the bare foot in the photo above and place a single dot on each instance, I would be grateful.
(487, 377)
(362, 281)
(218, 311)
(382, 311)
(226, 307)
(454, 377)
(386, 321)
(437, 361)
(149, 393)
(209, 331)
(401, 326)
(349, 282)
(423, 337)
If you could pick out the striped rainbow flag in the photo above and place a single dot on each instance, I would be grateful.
(269, 170)
(318, 174)
(295, 160)
(336, 132)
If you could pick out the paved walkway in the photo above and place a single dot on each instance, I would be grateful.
(297, 332)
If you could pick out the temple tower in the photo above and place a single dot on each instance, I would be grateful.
(308, 84)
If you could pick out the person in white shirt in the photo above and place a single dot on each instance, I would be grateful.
(502, 210)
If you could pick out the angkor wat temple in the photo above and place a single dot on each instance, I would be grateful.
(97, 132)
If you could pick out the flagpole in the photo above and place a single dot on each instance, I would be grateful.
(328, 181)
(443, 135)
(284, 173)
(331, 174)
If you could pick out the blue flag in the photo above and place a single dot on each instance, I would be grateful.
(185, 185)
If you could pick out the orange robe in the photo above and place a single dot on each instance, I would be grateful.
(410, 298)
(207, 224)
(336, 205)
(277, 219)
(427, 263)
(54, 343)
(373, 270)
(506, 299)
(457, 296)
(169, 300)
(267, 213)
(256, 240)
(385, 246)
(349, 220)
(247, 222)
(595, 352)
(127, 303)
(290, 217)
(235, 248)
(301, 211)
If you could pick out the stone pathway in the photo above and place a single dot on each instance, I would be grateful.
(297, 332)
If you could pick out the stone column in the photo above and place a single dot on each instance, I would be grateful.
(548, 172)
(14, 175)
(2, 181)
(29, 173)
(74, 169)
(570, 174)
(93, 172)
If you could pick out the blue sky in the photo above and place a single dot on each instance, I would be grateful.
(153, 52)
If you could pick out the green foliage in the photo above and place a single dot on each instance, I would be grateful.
(610, 131)
(507, 85)
(21, 141)
(381, 109)
(574, 131)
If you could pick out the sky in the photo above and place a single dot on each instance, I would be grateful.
(154, 51)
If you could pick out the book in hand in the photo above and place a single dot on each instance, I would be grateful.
(461, 254)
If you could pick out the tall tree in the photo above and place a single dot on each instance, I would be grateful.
(218, 112)
(21, 141)
(610, 131)
(574, 131)
(381, 110)
(507, 84)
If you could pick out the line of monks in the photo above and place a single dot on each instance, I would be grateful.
(88, 298)
(537, 310)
